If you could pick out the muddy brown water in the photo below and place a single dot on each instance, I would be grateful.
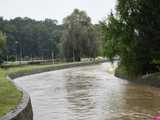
(89, 93)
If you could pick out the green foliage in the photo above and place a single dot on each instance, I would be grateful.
(133, 34)
(79, 37)
(99, 39)
(29, 38)
(2, 39)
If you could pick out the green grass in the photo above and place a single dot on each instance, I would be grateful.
(121, 72)
(10, 96)
(29, 68)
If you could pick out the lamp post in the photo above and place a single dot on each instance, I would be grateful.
(16, 51)
(20, 50)
(20, 54)
(53, 57)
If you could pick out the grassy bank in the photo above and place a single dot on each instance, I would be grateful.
(9, 95)
(30, 68)
(121, 72)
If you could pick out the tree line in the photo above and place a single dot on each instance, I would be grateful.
(28, 39)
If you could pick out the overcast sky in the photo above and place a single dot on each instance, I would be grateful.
(55, 9)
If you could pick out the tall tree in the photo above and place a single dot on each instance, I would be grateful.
(2, 39)
(2, 43)
(133, 34)
(78, 36)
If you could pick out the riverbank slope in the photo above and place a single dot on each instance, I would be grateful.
(152, 79)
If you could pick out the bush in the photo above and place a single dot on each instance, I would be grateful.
(121, 72)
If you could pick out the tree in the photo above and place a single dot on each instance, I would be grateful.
(2, 43)
(133, 34)
(78, 36)
(2, 39)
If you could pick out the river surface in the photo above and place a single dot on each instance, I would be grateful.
(89, 93)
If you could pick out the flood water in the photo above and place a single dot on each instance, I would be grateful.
(89, 93)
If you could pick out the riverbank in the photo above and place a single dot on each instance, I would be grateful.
(32, 69)
(10, 95)
(121, 72)
(152, 79)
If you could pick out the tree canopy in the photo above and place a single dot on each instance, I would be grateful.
(2, 39)
(79, 37)
(132, 33)
(28, 38)
(46, 39)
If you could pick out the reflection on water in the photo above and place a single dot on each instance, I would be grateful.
(79, 97)
(89, 93)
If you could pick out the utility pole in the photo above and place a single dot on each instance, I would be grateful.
(7, 58)
(20, 55)
(73, 55)
(16, 51)
(52, 54)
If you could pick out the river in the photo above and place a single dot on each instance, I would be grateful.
(89, 93)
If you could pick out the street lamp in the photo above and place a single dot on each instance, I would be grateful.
(20, 50)
(16, 51)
